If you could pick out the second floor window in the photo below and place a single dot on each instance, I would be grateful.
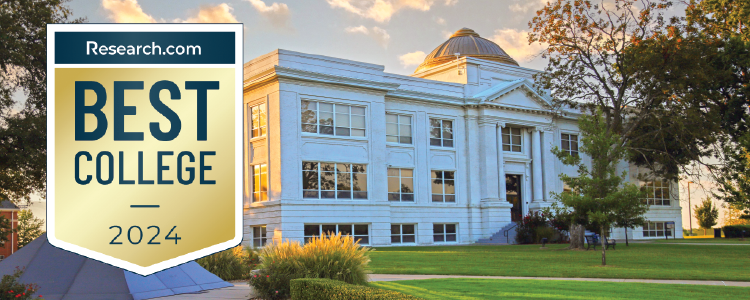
(657, 192)
(512, 139)
(257, 120)
(333, 119)
(322, 180)
(400, 185)
(398, 129)
(259, 236)
(443, 186)
(260, 183)
(570, 143)
(441, 133)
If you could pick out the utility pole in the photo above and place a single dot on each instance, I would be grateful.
(690, 209)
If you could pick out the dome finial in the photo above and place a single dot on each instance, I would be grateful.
(465, 32)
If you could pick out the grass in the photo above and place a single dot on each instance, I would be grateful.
(644, 261)
(705, 241)
(465, 289)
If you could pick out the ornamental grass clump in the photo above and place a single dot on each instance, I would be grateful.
(329, 256)
(232, 264)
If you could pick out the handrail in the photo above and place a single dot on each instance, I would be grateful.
(505, 232)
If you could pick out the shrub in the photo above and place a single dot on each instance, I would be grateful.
(314, 289)
(735, 231)
(526, 229)
(10, 288)
(331, 256)
(544, 232)
(231, 264)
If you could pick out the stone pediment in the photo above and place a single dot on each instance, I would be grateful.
(518, 93)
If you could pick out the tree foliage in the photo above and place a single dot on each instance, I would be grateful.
(29, 227)
(5, 229)
(23, 96)
(601, 196)
(707, 214)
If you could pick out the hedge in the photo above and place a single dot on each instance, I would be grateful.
(315, 289)
(735, 231)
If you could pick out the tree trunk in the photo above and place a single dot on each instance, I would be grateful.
(576, 237)
(626, 236)
(602, 240)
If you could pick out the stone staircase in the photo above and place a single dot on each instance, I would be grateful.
(499, 237)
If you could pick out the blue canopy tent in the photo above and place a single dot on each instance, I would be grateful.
(63, 275)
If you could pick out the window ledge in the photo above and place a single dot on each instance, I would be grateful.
(399, 145)
(257, 139)
(334, 137)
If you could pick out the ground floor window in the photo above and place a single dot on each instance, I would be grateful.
(360, 232)
(322, 180)
(403, 234)
(259, 236)
(656, 229)
(444, 233)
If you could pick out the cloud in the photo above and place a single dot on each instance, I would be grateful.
(126, 11)
(447, 34)
(450, 2)
(129, 11)
(440, 21)
(376, 33)
(412, 59)
(380, 10)
(515, 42)
(527, 5)
(221, 13)
(276, 13)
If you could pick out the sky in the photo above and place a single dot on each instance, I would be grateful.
(394, 33)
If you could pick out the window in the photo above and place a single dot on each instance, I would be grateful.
(260, 183)
(444, 233)
(512, 139)
(570, 143)
(334, 180)
(397, 129)
(657, 192)
(400, 185)
(441, 133)
(333, 119)
(259, 236)
(443, 186)
(403, 234)
(360, 232)
(655, 229)
(257, 115)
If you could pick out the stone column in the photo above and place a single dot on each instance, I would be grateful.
(500, 163)
(536, 164)
(550, 173)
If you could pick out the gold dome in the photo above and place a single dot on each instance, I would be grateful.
(468, 43)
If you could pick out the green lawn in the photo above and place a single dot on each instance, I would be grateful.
(704, 241)
(645, 261)
(465, 289)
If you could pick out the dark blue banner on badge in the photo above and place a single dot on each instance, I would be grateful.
(144, 47)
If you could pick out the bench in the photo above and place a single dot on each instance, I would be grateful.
(593, 241)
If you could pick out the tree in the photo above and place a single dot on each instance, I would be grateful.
(29, 227)
(732, 216)
(734, 176)
(601, 196)
(706, 214)
(23, 67)
(630, 218)
(5, 229)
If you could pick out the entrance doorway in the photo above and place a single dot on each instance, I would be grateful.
(513, 194)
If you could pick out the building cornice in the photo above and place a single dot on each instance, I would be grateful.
(277, 72)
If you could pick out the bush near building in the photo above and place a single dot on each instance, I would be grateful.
(232, 264)
(735, 231)
(329, 256)
(314, 289)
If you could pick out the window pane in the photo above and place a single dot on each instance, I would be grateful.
(405, 130)
(310, 180)
(435, 142)
(392, 139)
(325, 107)
(405, 140)
(516, 131)
(360, 229)
(435, 132)
(359, 182)
(407, 185)
(358, 110)
(396, 239)
(407, 173)
(395, 229)
(391, 118)
(358, 121)
(358, 132)
(344, 109)
(345, 229)
(394, 197)
(438, 238)
(363, 240)
(391, 129)
(311, 230)
(408, 229)
(437, 228)
(447, 143)
(450, 237)
(326, 130)
(449, 187)
(450, 228)
(407, 197)
(405, 120)
(409, 239)
(393, 185)
(437, 198)
(342, 131)
(437, 186)
(342, 120)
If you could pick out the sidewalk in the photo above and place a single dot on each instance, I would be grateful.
(395, 277)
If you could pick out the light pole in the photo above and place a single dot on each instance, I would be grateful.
(690, 209)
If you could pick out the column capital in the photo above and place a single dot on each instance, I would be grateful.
(501, 124)
(538, 128)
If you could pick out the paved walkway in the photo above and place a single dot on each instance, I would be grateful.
(394, 277)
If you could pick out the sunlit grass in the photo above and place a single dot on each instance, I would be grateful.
(646, 261)
(470, 289)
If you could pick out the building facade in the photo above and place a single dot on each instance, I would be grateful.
(9, 211)
(451, 154)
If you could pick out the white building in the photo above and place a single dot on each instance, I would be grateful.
(451, 154)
